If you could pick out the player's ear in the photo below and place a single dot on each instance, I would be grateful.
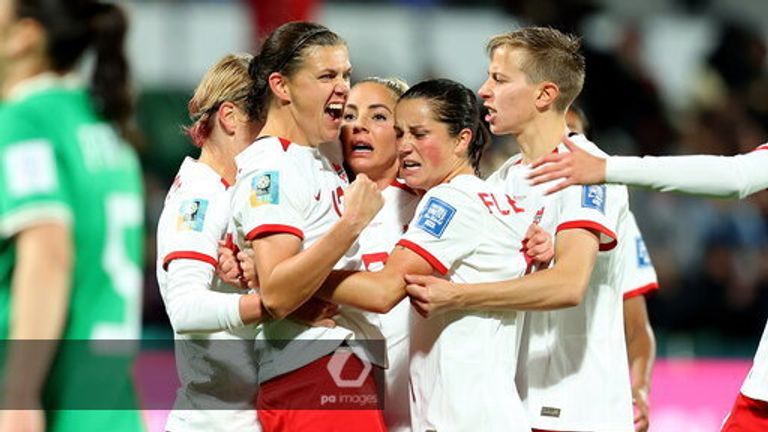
(548, 92)
(279, 86)
(227, 116)
(462, 142)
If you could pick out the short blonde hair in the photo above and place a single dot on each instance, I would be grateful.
(226, 81)
(551, 56)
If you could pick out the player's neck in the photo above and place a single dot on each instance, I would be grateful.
(541, 137)
(16, 73)
(280, 123)
(221, 160)
(384, 178)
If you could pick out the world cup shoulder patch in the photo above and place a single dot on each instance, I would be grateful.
(643, 257)
(192, 215)
(593, 196)
(265, 188)
(435, 217)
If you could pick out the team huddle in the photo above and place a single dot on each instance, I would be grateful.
(526, 315)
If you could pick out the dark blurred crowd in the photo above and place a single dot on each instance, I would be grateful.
(711, 257)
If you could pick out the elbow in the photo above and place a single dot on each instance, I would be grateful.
(276, 307)
(182, 326)
(277, 303)
(573, 295)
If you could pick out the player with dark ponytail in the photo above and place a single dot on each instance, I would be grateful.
(71, 217)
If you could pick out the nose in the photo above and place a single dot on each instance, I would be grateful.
(485, 91)
(360, 125)
(342, 87)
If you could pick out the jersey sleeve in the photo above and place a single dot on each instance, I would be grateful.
(718, 176)
(195, 223)
(595, 208)
(443, 230)
(271, 200)
(34, 186)
(639, 276)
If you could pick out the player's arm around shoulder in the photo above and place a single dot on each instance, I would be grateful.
(417, 252)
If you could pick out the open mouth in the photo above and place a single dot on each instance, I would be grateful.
(362, 147)
(335, 110)
(410, 165)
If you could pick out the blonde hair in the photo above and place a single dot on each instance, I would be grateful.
(551, 56)
(226, 81)
(396, 85)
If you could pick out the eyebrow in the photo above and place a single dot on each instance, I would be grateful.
(375, 106)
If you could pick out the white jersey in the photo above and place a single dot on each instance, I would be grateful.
(639, 276)
(214, 351)
(573, 373)
(283, 187)
(461, 360)
(376, 241)
(721, 176)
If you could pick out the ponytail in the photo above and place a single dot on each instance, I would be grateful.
(110, 86)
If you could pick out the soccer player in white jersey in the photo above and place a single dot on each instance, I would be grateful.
(712, 176)
(214, 322)
(573, 372)
(465, 230)
(369, 147)
(287, 202)
(638, 278)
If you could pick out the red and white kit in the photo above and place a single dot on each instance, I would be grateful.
(204, 312)
(573, 373)
(461, 360)
(287, 188)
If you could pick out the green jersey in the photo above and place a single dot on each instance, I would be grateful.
(60, 162)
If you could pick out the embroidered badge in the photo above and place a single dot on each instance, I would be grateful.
(593, 197)
(192, 215)
(265, 188)
(435, 217)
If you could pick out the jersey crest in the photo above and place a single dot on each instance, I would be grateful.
(192, 215)
(265, 188)
(593, 196)
(435, 217)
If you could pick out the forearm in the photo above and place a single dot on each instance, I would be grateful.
(194, 308)
(543, 290)
(558, 287)
(641, 348)
(718, 176)
(375, 292)
(294, 280)
(40, 301)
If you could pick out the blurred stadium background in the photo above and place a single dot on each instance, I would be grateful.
(663, 77)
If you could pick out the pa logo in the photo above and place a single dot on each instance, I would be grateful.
(336, 365)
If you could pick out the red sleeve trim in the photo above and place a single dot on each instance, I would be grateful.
(188, 255)
(403, 186)
(285, 143)
(269, 229)
(643, 290)
(434, 262)
(592, 226)
(761, 147)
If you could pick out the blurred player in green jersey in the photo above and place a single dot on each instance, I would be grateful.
(71, 218)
